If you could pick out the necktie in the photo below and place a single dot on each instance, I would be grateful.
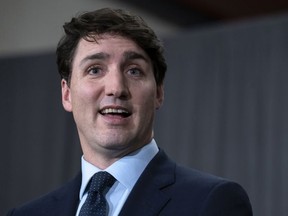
(96, 203)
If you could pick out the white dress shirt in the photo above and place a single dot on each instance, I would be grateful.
(126, 171)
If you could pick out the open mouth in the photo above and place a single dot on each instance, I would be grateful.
(115, 112)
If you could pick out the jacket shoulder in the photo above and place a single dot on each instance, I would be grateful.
(52, 203)
(208, 194)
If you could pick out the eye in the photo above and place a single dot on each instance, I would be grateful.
(94, 70)
(135, 72)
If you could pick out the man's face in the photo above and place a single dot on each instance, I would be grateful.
(113, 95)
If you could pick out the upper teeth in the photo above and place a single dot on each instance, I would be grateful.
(110, 110)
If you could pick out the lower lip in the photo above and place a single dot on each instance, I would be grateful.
(115, 119)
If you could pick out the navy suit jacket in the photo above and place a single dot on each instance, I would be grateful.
(164, 188)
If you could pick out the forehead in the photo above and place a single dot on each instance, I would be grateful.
(113, 45)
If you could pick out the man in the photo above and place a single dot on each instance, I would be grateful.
(112, 70)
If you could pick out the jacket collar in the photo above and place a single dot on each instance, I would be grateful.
(148, 196)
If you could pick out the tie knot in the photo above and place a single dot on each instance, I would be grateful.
(100, 181)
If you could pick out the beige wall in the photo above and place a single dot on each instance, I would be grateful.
(36, 25)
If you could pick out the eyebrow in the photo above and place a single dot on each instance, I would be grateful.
(131, 55)
(128, 55)
(100, 56)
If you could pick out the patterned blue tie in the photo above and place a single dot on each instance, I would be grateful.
(96, 204)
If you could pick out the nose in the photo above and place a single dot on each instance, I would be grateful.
(117, 85)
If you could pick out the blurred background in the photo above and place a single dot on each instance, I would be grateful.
(226, 94)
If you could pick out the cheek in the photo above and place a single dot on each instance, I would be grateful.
(146, 98)
(84, 95)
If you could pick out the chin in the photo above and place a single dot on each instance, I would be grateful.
(121, 146)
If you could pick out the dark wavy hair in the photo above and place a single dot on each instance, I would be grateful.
(112, 21)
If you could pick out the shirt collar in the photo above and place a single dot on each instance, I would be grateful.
(126, 170)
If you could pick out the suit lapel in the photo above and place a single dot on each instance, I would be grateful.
(148, 196)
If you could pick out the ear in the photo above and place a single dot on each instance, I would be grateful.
(66, 96)
(159, 96)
